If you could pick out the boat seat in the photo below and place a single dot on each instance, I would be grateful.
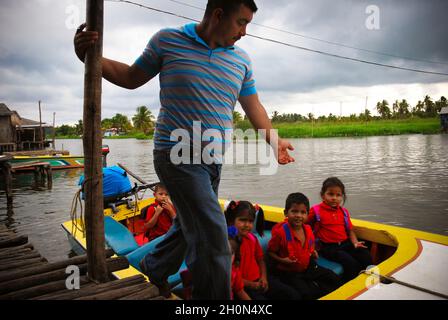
(328, 264)
(118, 237)
(321, 261)
(137, 255)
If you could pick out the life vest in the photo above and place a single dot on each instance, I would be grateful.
(317, 222)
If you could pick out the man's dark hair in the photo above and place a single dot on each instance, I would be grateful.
(297, 198)
(229, 6)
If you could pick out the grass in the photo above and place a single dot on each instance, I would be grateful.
(329, 129)
(137, 135)
(355, 129)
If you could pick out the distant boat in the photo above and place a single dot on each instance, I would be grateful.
(57, 159)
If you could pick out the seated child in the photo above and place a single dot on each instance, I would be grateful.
(241, 215)
(292, 251)
(156, 219)
(237, 283)
(334, 233)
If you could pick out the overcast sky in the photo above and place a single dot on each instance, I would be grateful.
(37, 61)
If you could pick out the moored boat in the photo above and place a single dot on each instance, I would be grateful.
(56, 159)
(409, 264)
(56, 162)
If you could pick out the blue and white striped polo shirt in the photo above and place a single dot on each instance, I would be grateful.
(196, 82)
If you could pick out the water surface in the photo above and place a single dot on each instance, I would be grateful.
(398, 180)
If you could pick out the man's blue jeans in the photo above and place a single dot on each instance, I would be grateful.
(199, 231)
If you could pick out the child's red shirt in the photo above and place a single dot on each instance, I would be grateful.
(237, 283)
(250, 251)
(331, 228)
(161, 227)
(293, 249)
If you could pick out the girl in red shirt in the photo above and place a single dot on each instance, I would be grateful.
(292, 251)
(241, 215)
(334, 233)
(236, 281)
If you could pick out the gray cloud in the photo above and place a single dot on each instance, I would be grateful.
(37, 60)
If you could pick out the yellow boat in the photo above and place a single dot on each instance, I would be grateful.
(412, 262)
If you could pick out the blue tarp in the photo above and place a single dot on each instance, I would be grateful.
(115, 181)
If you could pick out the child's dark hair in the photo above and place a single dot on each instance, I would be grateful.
(235, 243)
(236, 209)
(159, 186)
(297, 198)
(333, 182)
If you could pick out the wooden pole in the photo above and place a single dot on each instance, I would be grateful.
(92, 140)
(6, 168)
(41, 143)
(54, 131)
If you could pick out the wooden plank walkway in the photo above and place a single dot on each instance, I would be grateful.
(25, 274)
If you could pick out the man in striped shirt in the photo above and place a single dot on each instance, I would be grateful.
(202, 74)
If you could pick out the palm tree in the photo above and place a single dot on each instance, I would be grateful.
(310, 116)
(395, 107)
(79, 128)
(106, 123)
(419, 109)
(430, 108)
(237, 117)
(383, 109)
(121, 122)
(403, 108)
(143, 120)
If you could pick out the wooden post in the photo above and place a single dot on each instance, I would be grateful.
(36, 175)
(49, 177)
(54, 131)
(92, 140)
(8, 182)
(41, 143)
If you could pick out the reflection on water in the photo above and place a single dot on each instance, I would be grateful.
(399, 180)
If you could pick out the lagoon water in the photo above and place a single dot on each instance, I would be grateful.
(397, 180)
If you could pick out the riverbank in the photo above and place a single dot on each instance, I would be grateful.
(327, 129)
(138, 136)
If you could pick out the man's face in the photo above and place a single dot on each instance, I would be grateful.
(233, 27)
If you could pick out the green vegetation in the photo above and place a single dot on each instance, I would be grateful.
(117, 127)
(370, 128)
(132, 135)
(319, 129)
(400, 119)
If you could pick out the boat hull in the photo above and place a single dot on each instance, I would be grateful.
(56, 162)
(406, 253)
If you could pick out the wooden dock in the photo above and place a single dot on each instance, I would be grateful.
(26, 275)
(42, 171)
